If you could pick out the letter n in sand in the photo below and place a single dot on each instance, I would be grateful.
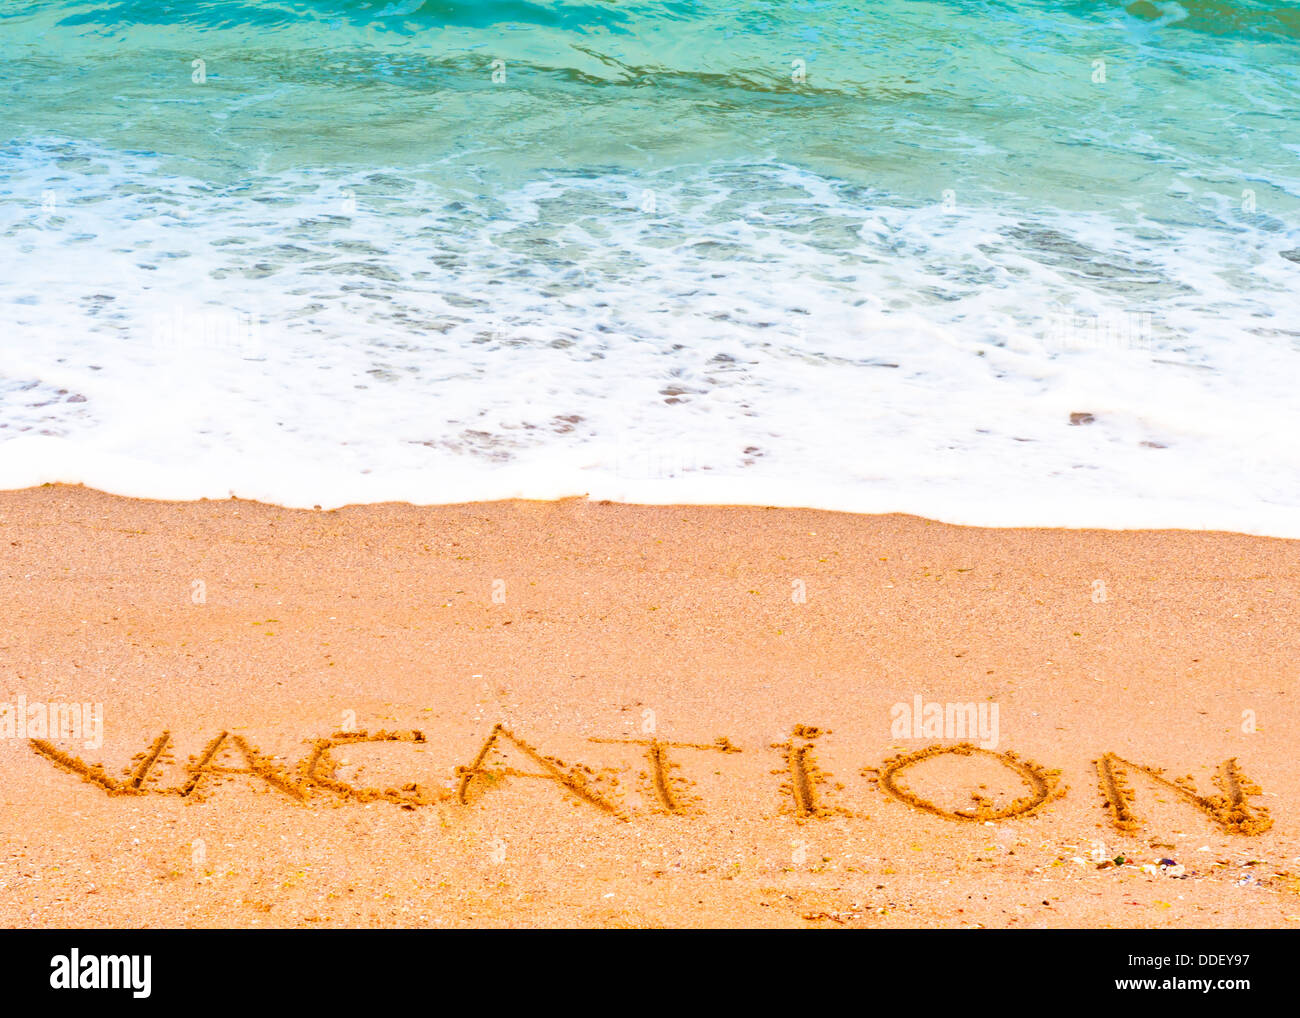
(1229, 809)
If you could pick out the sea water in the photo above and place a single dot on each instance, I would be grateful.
(1007, 262)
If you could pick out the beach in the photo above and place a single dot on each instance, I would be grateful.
(579, 713)
(1005, 264)
(648, 465)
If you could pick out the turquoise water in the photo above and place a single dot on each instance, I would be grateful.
(994, 100)
(340, 251)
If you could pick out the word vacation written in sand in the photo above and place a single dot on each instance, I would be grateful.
(804, 788)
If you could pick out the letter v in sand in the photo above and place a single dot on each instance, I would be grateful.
(95, 773)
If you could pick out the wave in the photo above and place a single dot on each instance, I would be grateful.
(908, 254)
(570, 16)
(1247, 19)
(1262, 19)
(715, 332)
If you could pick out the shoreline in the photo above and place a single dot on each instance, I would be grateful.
(1146, 515)
(635, 715)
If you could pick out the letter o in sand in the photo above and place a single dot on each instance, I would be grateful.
(1043, 784)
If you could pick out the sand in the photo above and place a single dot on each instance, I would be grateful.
(592, 714)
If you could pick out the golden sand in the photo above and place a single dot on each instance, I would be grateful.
(591, 714)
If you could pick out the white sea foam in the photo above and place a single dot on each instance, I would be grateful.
(711, 334)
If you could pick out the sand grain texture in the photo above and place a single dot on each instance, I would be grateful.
(651, 729)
